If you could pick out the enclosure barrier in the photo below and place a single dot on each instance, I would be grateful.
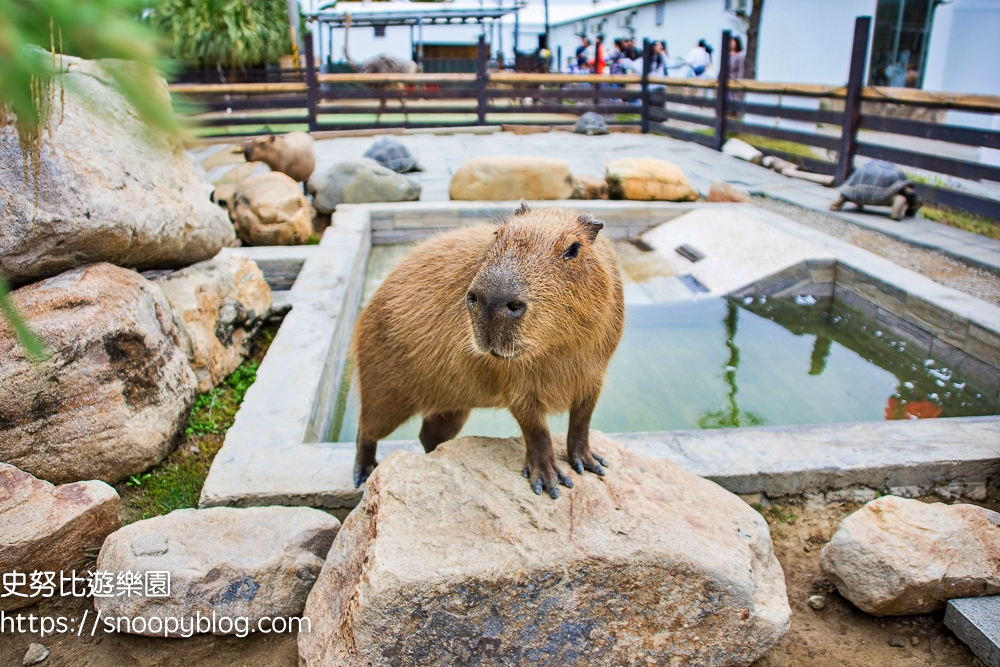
(845, 121)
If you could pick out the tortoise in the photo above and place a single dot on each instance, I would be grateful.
(591, 123)
(879, 183)
(391, 154)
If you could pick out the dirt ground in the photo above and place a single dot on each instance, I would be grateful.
(837, 636)
(937, 266)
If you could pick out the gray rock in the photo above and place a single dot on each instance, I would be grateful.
(109, 189)
(253, 562)
(358, 182)
(116, 390)
(218, 305)
(816, 602)
(896, 556)
(35, 654)
(48, 528)
(452, 560)
(392, 154)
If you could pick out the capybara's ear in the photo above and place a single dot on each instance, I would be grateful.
(590, 226)
(271, 138)
(524, 208)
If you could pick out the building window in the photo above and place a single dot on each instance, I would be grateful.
(900, 41)
(380, 30)
(736, 6)
(661, 9)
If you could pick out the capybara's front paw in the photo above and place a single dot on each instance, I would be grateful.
(362, 472)
(546, 476)
(588, 460)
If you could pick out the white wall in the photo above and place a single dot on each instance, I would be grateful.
(808, 41)
(964, 53)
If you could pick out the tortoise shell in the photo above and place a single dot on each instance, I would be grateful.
(591, 123)
(875, 183)
(391, 154)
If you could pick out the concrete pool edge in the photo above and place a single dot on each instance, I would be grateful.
(273, 454)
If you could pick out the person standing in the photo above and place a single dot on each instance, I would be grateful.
(600, 56)
(699, 59)
(737, 59)
(583, 55)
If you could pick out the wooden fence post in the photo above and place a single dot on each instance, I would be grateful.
(647, 63)
(312, 90)
(722, 91)
(481, 79)
(852, 103)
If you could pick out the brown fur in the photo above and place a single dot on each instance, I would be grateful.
(291, 154)
(421, 347)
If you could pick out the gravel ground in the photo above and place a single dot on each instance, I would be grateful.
(937, 266)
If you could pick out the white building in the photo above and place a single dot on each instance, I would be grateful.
(803, 41)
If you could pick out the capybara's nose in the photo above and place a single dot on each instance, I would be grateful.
(491, 305)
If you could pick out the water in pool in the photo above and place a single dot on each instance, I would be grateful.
(718, 363)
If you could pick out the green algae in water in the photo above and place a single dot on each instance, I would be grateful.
(724, 363)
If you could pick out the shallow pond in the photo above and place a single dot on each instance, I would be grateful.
(718, 363)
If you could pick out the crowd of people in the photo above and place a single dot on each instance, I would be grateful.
(625, 58)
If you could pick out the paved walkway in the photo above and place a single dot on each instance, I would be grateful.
(440, 155)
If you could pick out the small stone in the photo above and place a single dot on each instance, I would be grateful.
(35, 654)
(648, 179)
(897, 557)
(816, 602)
(237, 562)
(46, 528)
(914, 640)
(512, 177)
(740, 149)
(270, 209)
(727, 192)
(897, 642)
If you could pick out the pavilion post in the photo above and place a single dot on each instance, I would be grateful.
(852, 103)
(722, 91)
(481, 79)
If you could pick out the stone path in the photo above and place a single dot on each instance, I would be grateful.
(440, 155)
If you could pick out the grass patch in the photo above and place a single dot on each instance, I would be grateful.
(780, 145)
(176, 482)
(970, 222)
(776, 513)
(627, 118)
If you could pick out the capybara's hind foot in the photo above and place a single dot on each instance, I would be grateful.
(547, 480)
(589, 461)
(362, 473)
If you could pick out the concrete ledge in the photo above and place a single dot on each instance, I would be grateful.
(903, 458)
(976, 621)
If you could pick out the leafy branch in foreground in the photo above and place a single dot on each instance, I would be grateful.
(27, 338)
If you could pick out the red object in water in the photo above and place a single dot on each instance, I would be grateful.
(911, 410)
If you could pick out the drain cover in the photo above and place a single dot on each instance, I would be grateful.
(687, 252)
(692, 283)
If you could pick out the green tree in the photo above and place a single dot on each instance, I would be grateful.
(223, 33)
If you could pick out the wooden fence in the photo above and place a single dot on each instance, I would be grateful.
(841, 121)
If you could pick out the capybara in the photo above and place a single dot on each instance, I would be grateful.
(523, 315)
(291, 154)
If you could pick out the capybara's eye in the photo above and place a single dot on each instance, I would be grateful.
(572, 251)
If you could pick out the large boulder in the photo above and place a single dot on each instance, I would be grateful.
(108, 189)
(452, 560)
(589, 187)
(512, 177)
(218, 305)
(46, 528)
(648, 178)
(358, 182)
(252, 563)
(897, 556)
(270, 209)
(115, 391)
